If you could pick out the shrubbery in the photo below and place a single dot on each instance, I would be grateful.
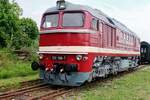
(15, 32)
(11, 67)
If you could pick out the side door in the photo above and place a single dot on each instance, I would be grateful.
(113, 37)
(100, 34)
(104, 35)
(94, 38)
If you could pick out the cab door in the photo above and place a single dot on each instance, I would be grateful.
(113, 37)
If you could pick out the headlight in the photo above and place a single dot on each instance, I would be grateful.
(79, 57)
(61, 5)
(41, 56)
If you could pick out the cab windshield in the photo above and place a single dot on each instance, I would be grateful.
(73, 19)
(51, 21)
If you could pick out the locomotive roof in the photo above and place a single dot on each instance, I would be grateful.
(145, 43)
(95, 12)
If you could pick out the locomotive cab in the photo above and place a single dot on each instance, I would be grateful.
(66, 28)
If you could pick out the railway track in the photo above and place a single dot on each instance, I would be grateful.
(31, 82)
(51, 94)
(22, 85)
(43, 91)
(9, 95)
(36, 92)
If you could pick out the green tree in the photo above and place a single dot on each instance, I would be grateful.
(9, 18)
(2, 39)
(20, 40)
(27, 33)
(29, 27)
(15, 32)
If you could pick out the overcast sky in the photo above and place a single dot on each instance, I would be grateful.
(135, 14)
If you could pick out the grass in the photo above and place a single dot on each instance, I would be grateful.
(10, 66)
(133, 86)
(17, 69)
(13, 70)
(15, 82)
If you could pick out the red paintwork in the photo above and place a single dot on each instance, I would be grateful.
(70, 59)
(107, 37)
(64, 39)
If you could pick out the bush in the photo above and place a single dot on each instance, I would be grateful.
(12, 67)
(15, 32)
(20, 40)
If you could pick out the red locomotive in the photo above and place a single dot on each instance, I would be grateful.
(78, 43)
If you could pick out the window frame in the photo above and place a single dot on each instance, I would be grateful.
(97, 24)
(100, 26)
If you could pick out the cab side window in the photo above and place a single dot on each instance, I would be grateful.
(95, 24)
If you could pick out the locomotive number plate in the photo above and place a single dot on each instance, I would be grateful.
(58, 57)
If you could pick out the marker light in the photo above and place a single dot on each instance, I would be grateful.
(79, 57)
(85, 58)
(41, 56)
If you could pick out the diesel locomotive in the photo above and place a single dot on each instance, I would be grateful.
(78, 44)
